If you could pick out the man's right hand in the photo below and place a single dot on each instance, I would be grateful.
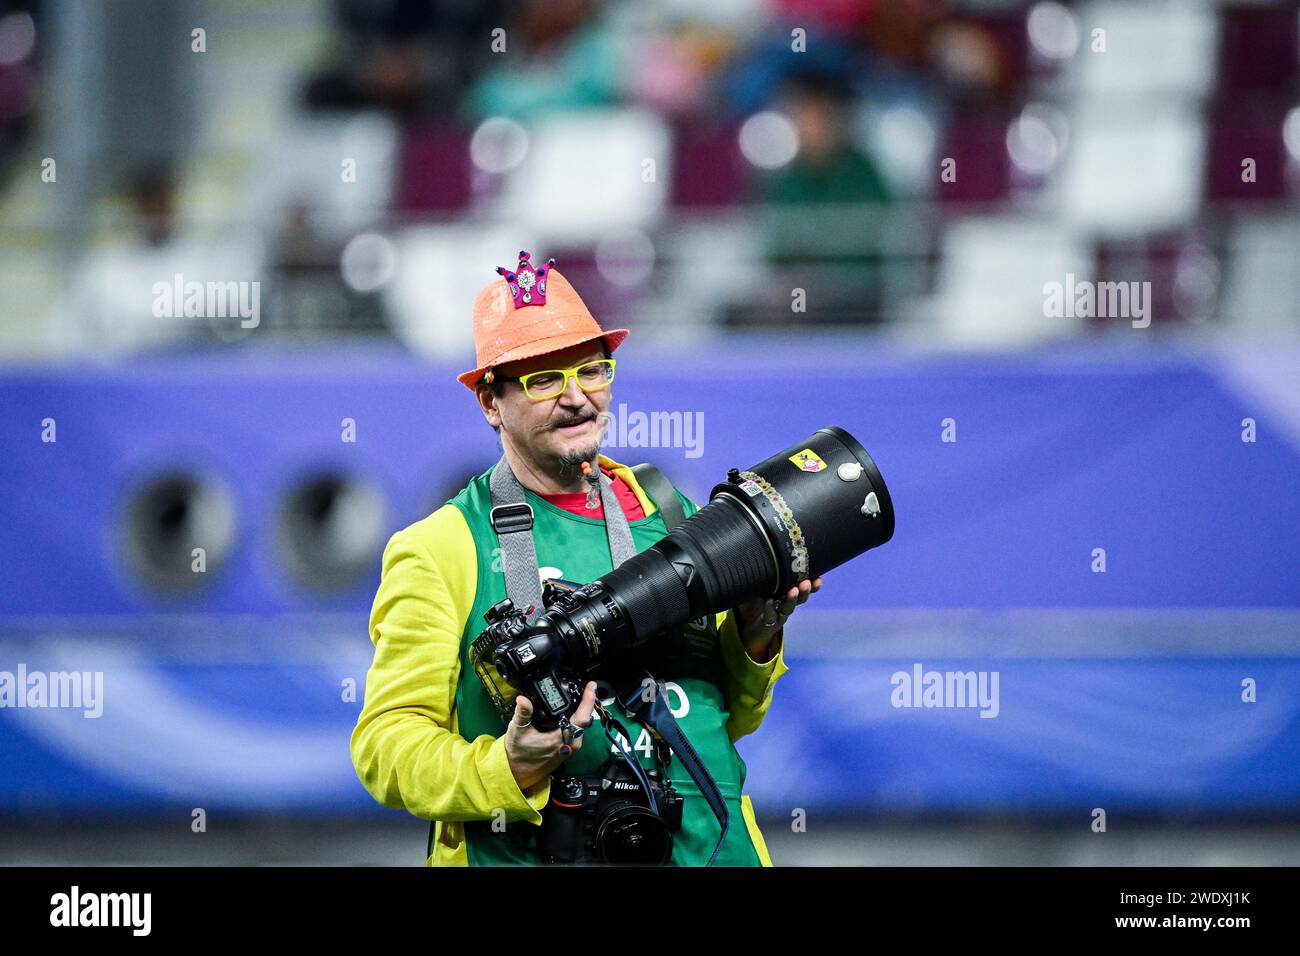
(534, 753)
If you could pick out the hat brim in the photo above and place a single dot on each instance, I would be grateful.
(612, 338)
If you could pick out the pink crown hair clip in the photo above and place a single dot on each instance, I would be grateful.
(528, 285)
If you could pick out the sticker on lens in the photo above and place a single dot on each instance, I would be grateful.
(808, 460)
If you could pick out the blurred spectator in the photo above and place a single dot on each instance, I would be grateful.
(18, 59)
(976, 58)
(153, 194)
(828, 168)
(560, 55)
(823, 209)
(410, 57)
(308, 294)
(122, 296)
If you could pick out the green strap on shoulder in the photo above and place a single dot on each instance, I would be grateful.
(661, 492)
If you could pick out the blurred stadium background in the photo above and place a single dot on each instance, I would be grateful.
(369, 164)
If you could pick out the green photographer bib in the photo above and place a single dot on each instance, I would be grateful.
(576, 549)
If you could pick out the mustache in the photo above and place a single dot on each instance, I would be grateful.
(559, 423)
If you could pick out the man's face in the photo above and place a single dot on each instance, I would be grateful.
(563, 430)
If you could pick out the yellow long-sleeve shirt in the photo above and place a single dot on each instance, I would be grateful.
(406, 746)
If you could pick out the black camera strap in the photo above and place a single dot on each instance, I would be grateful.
(619, 736)
(654, 483)
(657, 717)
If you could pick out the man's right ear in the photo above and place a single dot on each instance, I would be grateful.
(488, 403)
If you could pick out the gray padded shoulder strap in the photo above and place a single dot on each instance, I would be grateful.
(512, 519)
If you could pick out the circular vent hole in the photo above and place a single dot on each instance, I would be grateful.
(330, 531)
(167, 519)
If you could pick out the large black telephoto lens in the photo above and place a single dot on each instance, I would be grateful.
(794, 516)
(804, 511)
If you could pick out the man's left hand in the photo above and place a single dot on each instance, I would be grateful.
(762, 619)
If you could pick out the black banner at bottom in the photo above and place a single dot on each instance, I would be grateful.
(342, 906)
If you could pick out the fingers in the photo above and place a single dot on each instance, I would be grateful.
(800, 594)
(582, 716)
(523, 715)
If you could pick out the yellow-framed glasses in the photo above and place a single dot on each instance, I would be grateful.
(550, 382)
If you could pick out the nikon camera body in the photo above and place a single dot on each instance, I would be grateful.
(607, 818)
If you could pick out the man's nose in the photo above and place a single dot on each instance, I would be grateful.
(572, 394)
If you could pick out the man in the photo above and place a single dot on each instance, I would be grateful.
(429, 738)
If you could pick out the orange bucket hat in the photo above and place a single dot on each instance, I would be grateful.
(527, 313)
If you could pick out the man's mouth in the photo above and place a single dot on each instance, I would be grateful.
(570, 426)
